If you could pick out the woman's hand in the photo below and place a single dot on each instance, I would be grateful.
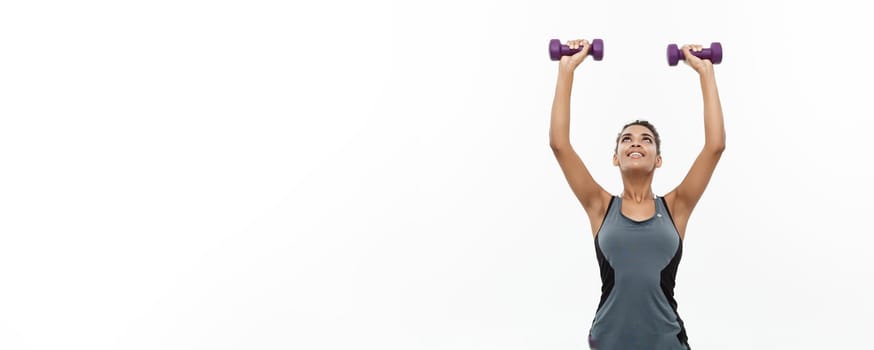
(699, 65)
(570, 63)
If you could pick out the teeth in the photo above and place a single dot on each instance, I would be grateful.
(635, 153)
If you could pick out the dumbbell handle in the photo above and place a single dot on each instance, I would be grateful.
(704, 54)
(568, 51)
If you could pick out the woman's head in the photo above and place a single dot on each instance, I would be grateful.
(646, 124)
(638, 146)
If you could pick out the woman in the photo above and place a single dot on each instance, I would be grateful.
(638, 236)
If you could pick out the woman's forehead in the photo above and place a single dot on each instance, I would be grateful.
(636, 130)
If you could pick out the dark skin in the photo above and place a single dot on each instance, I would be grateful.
(636, 155)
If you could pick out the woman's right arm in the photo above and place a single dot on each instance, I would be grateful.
(590, 194)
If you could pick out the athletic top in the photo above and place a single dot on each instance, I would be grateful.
(638, 262)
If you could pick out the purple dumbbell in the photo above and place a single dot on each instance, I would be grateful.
(556, 49)
(713, 53)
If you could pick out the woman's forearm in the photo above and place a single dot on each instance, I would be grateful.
(559, 127)
(714, 128)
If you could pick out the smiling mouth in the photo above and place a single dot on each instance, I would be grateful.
(635, 155)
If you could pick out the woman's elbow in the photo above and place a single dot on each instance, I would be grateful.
(715, 147)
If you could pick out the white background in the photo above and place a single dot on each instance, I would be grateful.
(376, 175)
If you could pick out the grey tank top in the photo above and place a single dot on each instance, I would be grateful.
(638, 262)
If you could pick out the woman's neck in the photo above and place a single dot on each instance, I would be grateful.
(637, 189)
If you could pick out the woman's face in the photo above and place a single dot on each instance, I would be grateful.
(637, 150)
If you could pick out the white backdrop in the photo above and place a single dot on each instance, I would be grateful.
(377, 175)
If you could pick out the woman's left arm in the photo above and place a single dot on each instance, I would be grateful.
(684, 198)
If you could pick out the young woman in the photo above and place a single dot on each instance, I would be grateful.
(638, 235)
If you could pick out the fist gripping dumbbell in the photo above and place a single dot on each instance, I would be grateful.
(556, 49)
(713, 53)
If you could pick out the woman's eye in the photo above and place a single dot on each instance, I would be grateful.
(648, 140)
(626, 139)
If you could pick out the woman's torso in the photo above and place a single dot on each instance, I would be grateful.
(638, 260)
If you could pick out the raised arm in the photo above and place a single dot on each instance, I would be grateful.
(682, 200)
(591, 195)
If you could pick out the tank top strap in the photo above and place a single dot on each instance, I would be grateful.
(615, 205)
(612, 209)
(662, 206)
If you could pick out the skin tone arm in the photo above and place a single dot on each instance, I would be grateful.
(590, 194)
(683, 198)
